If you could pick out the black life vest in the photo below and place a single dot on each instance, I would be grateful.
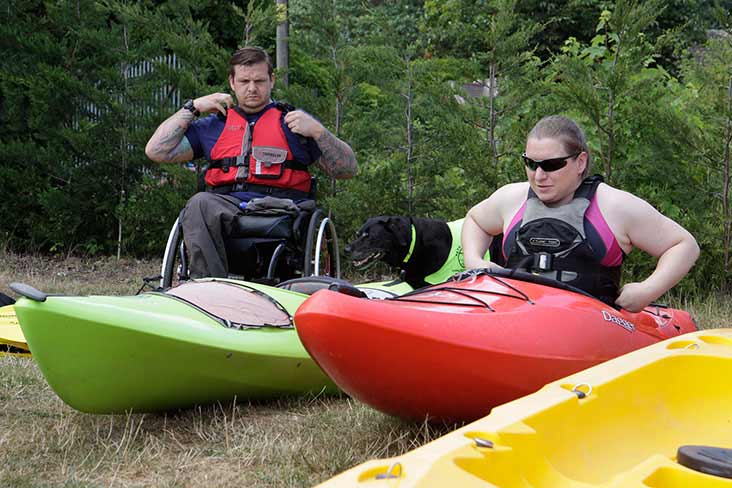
(256, 154)
(553, 242)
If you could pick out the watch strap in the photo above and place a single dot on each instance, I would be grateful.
(188, 105)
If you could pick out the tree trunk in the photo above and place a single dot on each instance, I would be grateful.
(283, 47)
(338, 103)
(611, 109)
(610, 137)
(410, 139)
(123, 142)
(726, 183)
(492, 113)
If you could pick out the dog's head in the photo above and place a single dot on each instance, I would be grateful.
(381, 238)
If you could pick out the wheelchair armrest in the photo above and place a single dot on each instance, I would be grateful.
(297, 225)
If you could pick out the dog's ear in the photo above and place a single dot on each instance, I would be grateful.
(377, 220)
(370, 222)
(400, 227)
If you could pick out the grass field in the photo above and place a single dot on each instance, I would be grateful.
(296, 442)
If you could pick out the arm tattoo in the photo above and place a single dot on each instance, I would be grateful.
(337, 159)
(180, 153)
(168, 143)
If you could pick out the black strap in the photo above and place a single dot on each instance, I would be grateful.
(284, 107)
(587, 188)
(225, 163)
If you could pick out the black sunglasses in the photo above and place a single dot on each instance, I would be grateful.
(548, 165)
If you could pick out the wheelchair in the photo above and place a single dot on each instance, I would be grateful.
(265, 248)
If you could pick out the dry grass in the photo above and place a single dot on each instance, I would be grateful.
(287, 443)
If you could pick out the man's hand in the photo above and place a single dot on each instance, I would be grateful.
(634, 297)
(215, 102)
(302, 123)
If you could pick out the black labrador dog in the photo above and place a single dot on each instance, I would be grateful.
(388, 239)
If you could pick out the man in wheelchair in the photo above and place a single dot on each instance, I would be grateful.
(259, 153)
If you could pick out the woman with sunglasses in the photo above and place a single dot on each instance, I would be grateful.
(574, 228)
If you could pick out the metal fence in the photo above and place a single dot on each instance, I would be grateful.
(164, 97)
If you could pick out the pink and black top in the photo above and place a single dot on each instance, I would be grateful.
(571, 243)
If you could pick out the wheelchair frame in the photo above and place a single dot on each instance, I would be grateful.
(321, 232)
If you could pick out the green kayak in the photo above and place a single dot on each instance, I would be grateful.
(202, 342)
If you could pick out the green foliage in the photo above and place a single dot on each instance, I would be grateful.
(77, 111)
(709, 89)
(389, 78)
(152, 207)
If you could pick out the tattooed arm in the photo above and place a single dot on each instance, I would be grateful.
(337, 159)
(168, 144)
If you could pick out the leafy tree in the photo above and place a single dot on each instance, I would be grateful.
(79, 105)
(709, 78)
(680, 25)
(498, 39)
(633, 112)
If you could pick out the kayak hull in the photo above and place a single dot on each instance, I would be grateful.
(152, 352)
(637, 411)
(432, 356)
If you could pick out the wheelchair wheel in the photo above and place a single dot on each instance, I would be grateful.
(175, 259)
(322, 257)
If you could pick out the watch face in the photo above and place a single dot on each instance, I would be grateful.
(188, 105)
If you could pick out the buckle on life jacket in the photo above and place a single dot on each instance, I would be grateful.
(543, 261)
(223, 164)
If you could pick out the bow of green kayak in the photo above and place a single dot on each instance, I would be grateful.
(156, 351)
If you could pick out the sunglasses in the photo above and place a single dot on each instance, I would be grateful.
(548, 165)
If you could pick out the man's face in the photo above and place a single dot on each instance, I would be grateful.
(252, 86)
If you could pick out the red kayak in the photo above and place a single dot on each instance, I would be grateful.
(455, 350)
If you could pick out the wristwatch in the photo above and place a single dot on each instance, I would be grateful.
(188, 105)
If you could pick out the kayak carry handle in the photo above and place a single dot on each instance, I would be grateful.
(29, 292)
(347, 289)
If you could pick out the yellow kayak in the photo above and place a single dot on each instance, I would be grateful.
(657, 417)
(12, 340)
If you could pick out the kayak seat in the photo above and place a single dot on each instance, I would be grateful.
(266, 245)
(310, 284)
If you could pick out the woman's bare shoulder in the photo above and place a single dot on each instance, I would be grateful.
(512, 191)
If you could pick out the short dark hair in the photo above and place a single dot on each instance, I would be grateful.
(566, 131)
(248, 56)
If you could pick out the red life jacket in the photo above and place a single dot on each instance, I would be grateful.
(256, 153)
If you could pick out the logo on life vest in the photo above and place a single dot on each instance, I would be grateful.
(544, 242)
(618, 321)
(269, 155)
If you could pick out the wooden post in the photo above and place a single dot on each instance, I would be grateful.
(283, 47)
